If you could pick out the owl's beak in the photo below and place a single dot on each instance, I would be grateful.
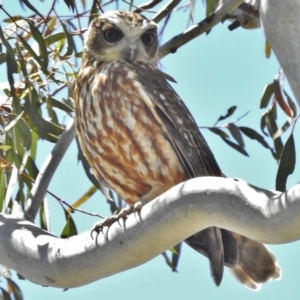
(130, 53)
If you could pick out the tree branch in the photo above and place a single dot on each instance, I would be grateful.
(280, 21)
(48, 169)
(204, 26)
(263, 215)
(164, 11)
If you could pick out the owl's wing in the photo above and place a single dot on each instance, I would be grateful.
(193, 151)
(178, 124)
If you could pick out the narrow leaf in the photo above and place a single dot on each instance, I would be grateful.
(230, 111)
(254, 135)
(70, 227)
(53, 38)
(280, 100)
(236, 134)
(176, 257)
(235, 146)
(283, 129)
(71, 44)
(5, 294)
(219, 132)
(287, 164)
(15, 289)
(291, 103)
(268, 49)
(60, 104)
(40, 40)
(87, 195)
(267, 94)
(210, 7)
(28, 4)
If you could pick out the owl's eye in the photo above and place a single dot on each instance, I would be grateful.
(113, 35)
(147, 39)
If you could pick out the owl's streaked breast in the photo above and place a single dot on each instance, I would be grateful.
(120, 137)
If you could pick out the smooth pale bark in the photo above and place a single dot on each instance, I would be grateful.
(281, 23)
(263, 215)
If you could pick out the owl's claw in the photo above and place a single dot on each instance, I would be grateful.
(123, 214)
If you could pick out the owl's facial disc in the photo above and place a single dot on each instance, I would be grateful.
(122, 36)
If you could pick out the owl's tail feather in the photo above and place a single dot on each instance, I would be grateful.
(256, 263)
(209, 243)
(249, 261)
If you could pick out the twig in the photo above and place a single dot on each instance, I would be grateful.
(194, 31)
(165, 10)
(46, 172)
(146, 6)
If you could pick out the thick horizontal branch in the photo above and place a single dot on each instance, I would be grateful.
(42, 258)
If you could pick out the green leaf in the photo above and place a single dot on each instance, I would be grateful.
(267, 94)
(235, 146)
(2, 189)
(176, 257)
(34, 140)
(254, 135)
(47, 130)
(85, 197)
(12, 67)
(15, 289)
(13, 122)
(53, 38)
(70, 227)
(291, 103)
(225, 137)
(5, 294)
(70, 4)
(59, 104)
(71, 44)
(230, 111)
(236, 134)
(286, 164)
(28, 4)
(5, 147)
(219, 132)
(31, 168)
(283, 129)
(32, 53)
(210, 7)
(42, 46)
(2, 58)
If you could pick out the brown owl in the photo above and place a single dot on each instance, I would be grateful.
(140, 139)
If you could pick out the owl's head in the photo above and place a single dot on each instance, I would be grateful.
(121, 35)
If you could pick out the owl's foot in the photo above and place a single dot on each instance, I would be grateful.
(123, 214)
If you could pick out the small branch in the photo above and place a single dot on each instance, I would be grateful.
(46, 172)
(146, 6)
(165, 10)
(263, 215)
(194, 31)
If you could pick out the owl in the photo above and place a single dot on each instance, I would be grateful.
(140, 139)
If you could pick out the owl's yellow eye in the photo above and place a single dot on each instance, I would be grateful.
(147, 39)
(113, 35)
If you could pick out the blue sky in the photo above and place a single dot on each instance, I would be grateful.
(213, 73)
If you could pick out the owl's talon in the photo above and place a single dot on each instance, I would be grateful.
(123, 214)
